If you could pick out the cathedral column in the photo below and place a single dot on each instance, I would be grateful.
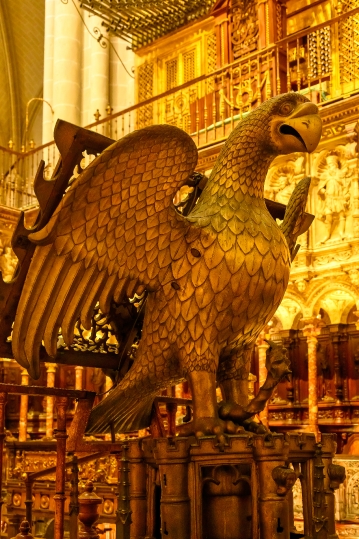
(79, 377)
(311, 330)
(95, 71)
(179, 394)
(262, 347)
(50, 382)
(122, 86)
(100, 66)
(24, 404)
(67, 62)
(47, 119)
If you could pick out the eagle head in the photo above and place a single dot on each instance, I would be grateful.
(295, 125)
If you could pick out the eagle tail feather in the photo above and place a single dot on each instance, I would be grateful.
(124, 412)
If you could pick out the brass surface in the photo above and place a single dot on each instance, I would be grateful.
(324, 276)
(116, 232)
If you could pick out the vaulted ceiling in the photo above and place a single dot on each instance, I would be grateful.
(21, 67)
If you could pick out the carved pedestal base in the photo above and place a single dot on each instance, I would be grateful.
(195, 491)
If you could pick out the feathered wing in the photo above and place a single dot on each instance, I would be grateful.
(115, 227)
(294, 215)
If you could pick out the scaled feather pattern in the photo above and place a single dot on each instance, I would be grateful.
(214, 278)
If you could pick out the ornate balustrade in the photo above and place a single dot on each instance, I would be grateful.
(320, 62)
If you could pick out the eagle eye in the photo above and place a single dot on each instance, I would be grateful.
(286, 108)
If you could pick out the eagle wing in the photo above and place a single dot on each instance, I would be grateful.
(116, 228)
(295, 215)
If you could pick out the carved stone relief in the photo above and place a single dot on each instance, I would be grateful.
(333, 176)
(245, 29)
(103, 469)
(336, 303)
(297, 503)
(28, 462)
(332, 243)
(287, 312)
(283, 177)
(334, 197)
(8, 260)
(347, 496)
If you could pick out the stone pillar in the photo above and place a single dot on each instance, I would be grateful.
(122, 85)
(262, 372)
(47, 121)
(172, 459)
(86, 111)
(181, 410)
(79, 377)
(50, 382)
(138, 501)
(67, 63)
(275, 481)
(311, 330)
(100, 64)
(108, 384)
(24, 404)
(95, 71)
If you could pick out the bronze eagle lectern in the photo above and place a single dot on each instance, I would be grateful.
(213, 278)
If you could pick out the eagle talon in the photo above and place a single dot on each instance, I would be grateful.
(231, 411)
(242, 420)
(256, 428)
(208, 426)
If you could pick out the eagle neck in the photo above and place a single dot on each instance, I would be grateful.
(237, 178)
(243, 174)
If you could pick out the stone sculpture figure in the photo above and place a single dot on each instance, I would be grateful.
(284, 185)
(334, 192)
(282, 179)
(213, 279)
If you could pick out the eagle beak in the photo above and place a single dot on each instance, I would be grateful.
(305, 125)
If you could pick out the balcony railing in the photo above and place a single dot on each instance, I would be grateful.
(321, 62)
